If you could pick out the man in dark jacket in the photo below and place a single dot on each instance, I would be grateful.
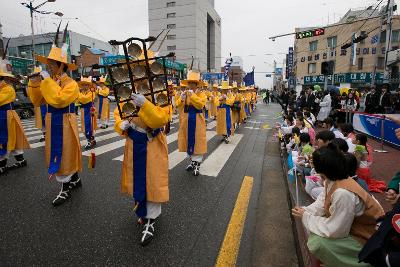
(309, 98)
(371, 101)
(384, 101)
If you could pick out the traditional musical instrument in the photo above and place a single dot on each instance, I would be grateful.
(140, 72)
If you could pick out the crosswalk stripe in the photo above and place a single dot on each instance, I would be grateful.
(106, 148)
(216, 161)
(176, 157)
(170, 138)
(41, 144)
(211, 125)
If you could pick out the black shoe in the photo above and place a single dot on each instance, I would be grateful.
(226, 140)
(148, 232)
(93, 142)
(3, 166)
(75, 181)
(18, 164)
(190, 167)
(42, 139)
(196, 169)
(63, 196)
(103, 126)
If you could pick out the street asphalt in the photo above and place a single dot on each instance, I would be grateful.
(97, 226)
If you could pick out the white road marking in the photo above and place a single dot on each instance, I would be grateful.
(176, 157)
(211, 125)
(217, 159)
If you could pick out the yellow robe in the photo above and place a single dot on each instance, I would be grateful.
(150, 117)
(105, 111)
(85, 98)
(214, 103)
(37, 100)
(242, 115)
(198, 101)
(16, 135)
(61, 95)
(221, 116)
(235, 113)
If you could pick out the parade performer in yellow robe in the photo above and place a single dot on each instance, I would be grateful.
(224, 114)
(192, 128)
(86, 98)
(235, 106)
(12, 136)
(145, 164)
(214, 98)
(63, 149)
(38, 102)
(242, 99)
(103, 104)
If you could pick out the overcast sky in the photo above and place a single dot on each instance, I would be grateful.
(245, 24)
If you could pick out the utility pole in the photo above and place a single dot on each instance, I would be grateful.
(274, 77)
(373, 80)
(388, 45)
(33, 9)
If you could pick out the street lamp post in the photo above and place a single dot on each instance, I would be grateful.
(33, 9)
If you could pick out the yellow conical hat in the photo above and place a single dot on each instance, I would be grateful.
(85, 80)
(192, 76)
(5, 69)
(225, 85)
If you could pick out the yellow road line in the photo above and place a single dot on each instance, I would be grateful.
(230, 246)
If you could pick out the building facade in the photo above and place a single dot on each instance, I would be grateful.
(19, 50)
(355, 66)
(194, 31)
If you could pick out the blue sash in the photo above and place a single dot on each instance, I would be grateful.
(228, 118)
(4, 128)
(206, 113)
(100, 105)
(192, 111)
(246, 108)
(139, 168)
(56, 137)
(87, 119)
(43, 111)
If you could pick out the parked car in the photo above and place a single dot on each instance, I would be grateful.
(23, 106)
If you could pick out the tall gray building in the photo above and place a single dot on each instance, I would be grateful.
(195, 30)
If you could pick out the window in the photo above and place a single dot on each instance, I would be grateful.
(312, 67)
(362, 41)
(171, 36)
(171, 15)
(382, 39)
(171, 47)
(360, 63)
(381, 62)
(332, 42)
(171, 26)
(171, 4)
(12, 51)
(313, 46)
(395, 36)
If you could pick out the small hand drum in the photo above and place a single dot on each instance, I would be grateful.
(139, 71)
(143, 87)
(121, 75)
(134, 50)
(128, 109)
(156, 68)
(162, 99)
(124, 92)
(158, 84)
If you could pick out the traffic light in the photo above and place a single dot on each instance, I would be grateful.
(327, 67)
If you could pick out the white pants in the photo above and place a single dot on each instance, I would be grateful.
(197, 158)
(103, 122)
(153, 210)
(13, 153)
(64, 178)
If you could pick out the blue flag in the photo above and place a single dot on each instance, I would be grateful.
(249, 78)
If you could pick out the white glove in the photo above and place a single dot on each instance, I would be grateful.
(183, 95)
(138, 100)
(44, 74)
(224, 96)
(190, 91)
(124, 125)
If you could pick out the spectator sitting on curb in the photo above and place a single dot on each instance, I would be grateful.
(343, 217)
